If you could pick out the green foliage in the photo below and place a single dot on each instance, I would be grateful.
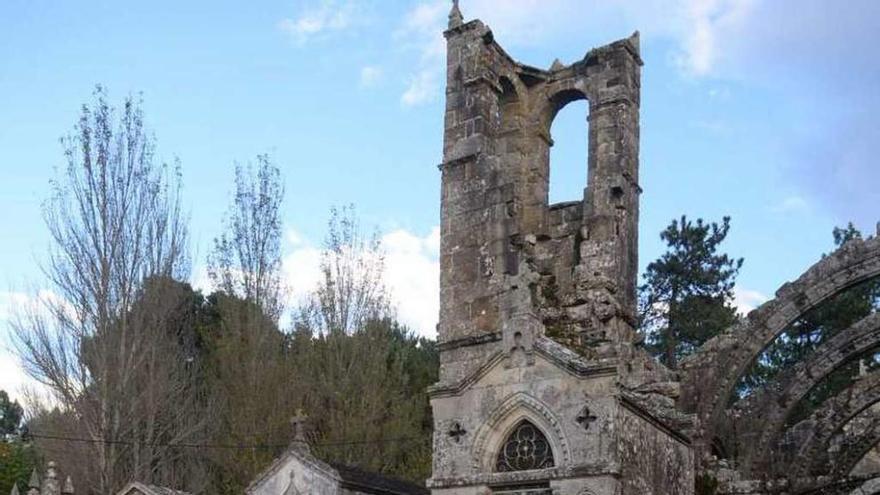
(706, 484)
(367, 394)
(253, 388)
(156, 367)
(10, 416)
(17, 460)
(364, 392)
(811, 330)
(687, 294)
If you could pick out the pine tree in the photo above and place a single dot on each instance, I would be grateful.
(687, 293)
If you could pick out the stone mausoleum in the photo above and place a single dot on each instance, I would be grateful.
(544, 385)
(542, 390)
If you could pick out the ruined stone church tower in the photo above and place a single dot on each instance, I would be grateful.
(542, 390)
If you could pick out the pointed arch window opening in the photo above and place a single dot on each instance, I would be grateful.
(569, 153)
(525, 448)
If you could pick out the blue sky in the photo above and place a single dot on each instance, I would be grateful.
(762, 110)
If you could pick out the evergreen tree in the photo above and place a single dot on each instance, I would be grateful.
(17, 458)
(687, 293)
(10, 415)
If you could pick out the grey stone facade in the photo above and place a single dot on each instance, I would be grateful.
(298, 472)
(537, 317)
(136, 488)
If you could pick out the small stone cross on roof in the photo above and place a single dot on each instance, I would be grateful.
(300, 426)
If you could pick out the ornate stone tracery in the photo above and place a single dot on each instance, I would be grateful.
(516, 410)
(526, 448)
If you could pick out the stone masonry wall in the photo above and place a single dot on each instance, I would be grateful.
(505, 252)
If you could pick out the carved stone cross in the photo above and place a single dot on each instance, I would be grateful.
(456, 432)
(585, 418)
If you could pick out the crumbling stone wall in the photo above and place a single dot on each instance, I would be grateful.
(505, 252)
(654, 459)
(538, 301)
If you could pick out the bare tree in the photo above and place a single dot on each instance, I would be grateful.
(249, 376)
(352, 289)
(105, 342)
(246, 261)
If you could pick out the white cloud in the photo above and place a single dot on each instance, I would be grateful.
(745, 300)
(701, 30)
(371, 76)
(792, 204)
(302, 270)
(423, 87)
(422, 29)
(13, 379)
(326, 17)
(293, 237)
(201, 281)
(424, 18)
(8, 302)
(412, 275)
(710, 23)
(412, 269)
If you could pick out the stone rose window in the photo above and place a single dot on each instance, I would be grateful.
(526, 448)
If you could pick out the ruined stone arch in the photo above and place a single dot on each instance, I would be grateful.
(773, 407)
(855, 448)
(556, 99)
(712, 373)
(498, 426)
(511, 111)
(830, 419)
(835, 460)
(869, 487)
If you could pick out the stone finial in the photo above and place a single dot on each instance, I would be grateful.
(68, 487)
(635, 41)
(455, 17)
(14, 489)
(51, 486)
(300, 426)
(557, 65)
(34, 483)
(35, 480)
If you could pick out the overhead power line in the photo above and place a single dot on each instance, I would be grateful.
(189, 445)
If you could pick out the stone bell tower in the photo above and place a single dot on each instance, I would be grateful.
(542, 386)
